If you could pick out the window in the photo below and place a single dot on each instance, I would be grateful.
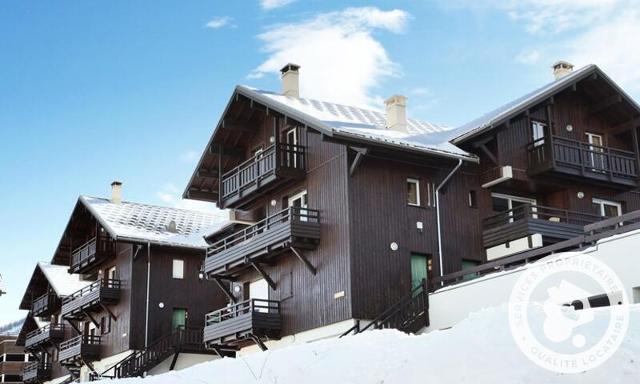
(111, 273)
(514, 204)
(291, 138)
(413, 192)
(596, 152)
(105, 325)
(537, 132)
(467, 264)
(606, 208)
(299, 201)
(14, 357)
(473, 199)
(431, 195)
(178, 269)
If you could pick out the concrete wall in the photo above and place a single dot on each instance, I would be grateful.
(452, 304)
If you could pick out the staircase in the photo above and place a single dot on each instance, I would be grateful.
(410, 314)
(140, 362)
(74, 374)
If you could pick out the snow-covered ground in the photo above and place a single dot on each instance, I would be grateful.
(480, 349)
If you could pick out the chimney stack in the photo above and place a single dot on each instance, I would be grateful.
(397, 113)
(290, 80)
(561, 69)
(116, 192)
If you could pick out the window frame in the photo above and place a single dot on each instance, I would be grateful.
(173, 269)
(603, 202)
(538, 141)
(415, 181)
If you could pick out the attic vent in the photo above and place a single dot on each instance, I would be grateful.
(171, 227)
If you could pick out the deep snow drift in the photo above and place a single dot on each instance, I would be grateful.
(480, 349)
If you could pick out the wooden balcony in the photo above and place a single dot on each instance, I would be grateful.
(91, 254)
(84, 348)
(51, 333)
(262, 172)
(555, 154)
(36, 372)
(289, 228)
(249, 320)
(98, 294)
(552, 223)
(45, 305)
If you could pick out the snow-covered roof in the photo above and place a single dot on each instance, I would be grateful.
(509, 110)
(60, 280)
(151, 223)
(361, 123)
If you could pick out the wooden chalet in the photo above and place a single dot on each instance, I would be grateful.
(111, 304)
(339, 215)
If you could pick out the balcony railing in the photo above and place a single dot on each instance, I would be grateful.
(50, 332)
(103, 291)
(552, 223)
(263, 169)
(291, 227)
(82, 347)
(248, 319)
(90, 254)
(45, 304)
(36, 372)
(573, 157)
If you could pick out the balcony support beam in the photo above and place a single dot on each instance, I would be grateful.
(91, 318)
(259, 342)
(73, 326)
(264, 275)
(111, 314)
(226, 292)
(360, 153)
(305, 261)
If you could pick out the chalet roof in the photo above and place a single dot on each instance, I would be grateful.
(129, 221)
(57, 277)
(361, 124)
(30, 323)
(515, 107)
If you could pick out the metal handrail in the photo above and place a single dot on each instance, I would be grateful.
(534, 211)
(242, 308)
(278, 218)
(41, 301)
(101, 283)
(84, 251)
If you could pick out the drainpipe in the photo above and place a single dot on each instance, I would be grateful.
(446, 179)
(146, 321)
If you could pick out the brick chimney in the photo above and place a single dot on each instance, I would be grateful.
(116, 192)
(290, 80)
(396, 113)
(561, 69)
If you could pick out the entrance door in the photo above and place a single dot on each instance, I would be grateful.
(179, 318)
(419, 269)
(596, 152)
(259, 290)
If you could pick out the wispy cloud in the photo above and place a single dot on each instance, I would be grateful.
(220, 22)
(190, 156)
(273, 4)
(341, 59)
(529, 56)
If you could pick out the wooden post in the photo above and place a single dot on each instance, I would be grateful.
(220, 176)
(276, 143)
(636, 150)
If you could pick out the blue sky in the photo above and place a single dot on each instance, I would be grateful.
(102, 90)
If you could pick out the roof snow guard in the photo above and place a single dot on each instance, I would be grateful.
(138, 222)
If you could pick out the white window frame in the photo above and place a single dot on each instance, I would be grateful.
(177, 269)
(596, 148)
(603, 202)
(304, 203)
(538, 132)
(511, 199)
(411, 180)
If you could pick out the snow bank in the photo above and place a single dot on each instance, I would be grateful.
(479, 349)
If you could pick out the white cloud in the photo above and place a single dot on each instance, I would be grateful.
(340, 58)
(219, 22)
(273, 4)
(612, 45)
(190, 156)
(529, 56)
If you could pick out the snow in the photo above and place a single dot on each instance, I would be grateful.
(62, 282)
(363, 123)
(145, 222)
(480, 349)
